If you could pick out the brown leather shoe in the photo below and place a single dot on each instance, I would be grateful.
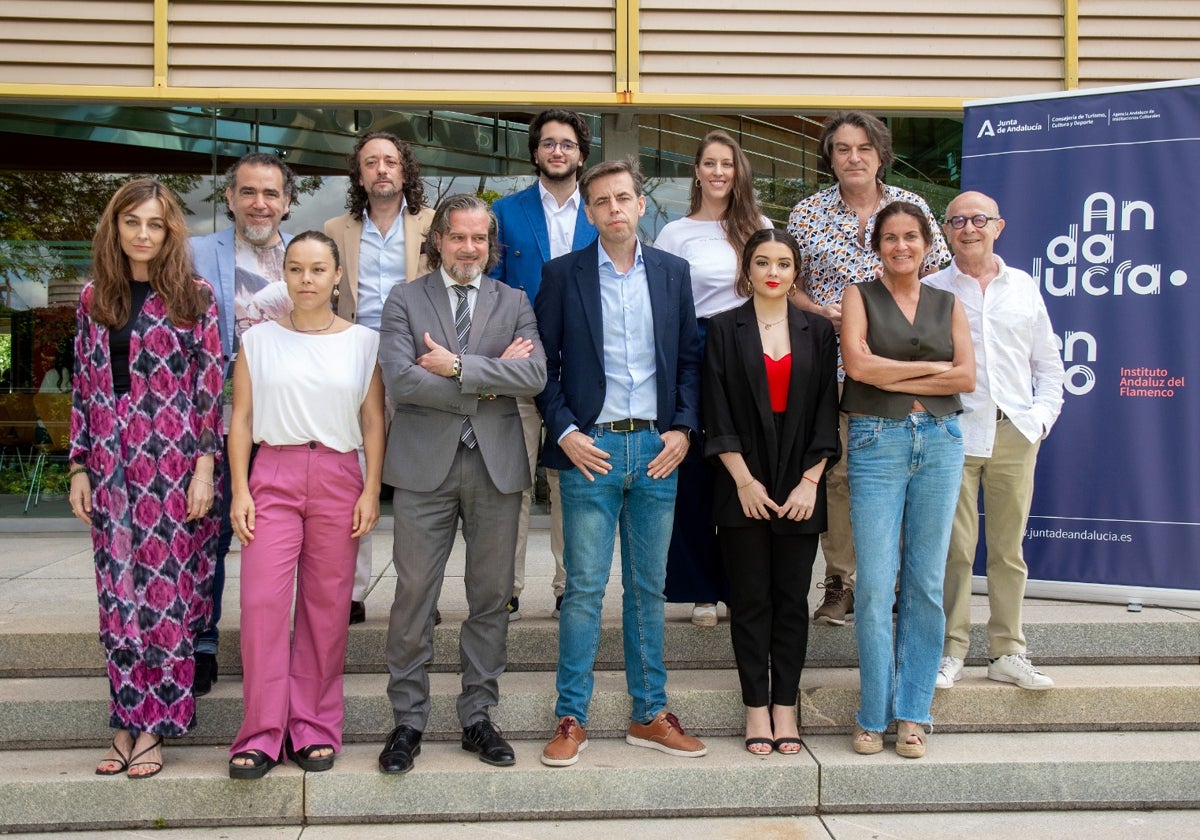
(665, 735)
(838, 603)
(568, 742)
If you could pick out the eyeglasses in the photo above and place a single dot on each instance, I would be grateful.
(567, 146)
(979, 220)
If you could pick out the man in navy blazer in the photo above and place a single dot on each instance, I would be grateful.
(244, 264)
(621, 407)
(536, 225)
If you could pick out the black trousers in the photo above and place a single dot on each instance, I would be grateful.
(769, 575)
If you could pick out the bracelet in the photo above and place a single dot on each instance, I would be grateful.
(201, 480)
(806, 478)
(77, 471)
(747, 484)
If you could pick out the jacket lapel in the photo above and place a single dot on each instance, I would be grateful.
(532, 205)
(750, 344)
(439, 299)
(587, 279)
(485, 304)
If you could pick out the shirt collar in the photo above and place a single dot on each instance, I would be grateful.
(370, 225)
(551, 203)
(1001, 269)
(603, 256)
(451, 282)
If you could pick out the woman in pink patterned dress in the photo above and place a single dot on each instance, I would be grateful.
(145, 433)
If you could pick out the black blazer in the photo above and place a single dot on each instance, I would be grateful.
(738, 416)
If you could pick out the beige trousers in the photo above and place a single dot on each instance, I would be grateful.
(1007, 481)
(837, 543)
(531, 425)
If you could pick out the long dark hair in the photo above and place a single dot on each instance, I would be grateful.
(413, 189)
(742, 216)
(172, 274)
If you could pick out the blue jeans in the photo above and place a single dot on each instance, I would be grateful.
(644, 508)
(904, 479)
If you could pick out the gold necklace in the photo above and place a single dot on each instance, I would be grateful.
(332, 318)
(767, 326)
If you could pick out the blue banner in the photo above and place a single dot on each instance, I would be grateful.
(1100, 192)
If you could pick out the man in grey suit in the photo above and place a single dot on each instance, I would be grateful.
(457, 348)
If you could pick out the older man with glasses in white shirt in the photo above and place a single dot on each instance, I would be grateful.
(1018, 396)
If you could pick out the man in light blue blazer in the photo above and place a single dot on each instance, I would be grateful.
(538, 224)
(244, 264)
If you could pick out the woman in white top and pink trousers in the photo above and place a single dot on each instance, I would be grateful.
(308, 391)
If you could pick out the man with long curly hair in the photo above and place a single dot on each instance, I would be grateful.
(382, 242)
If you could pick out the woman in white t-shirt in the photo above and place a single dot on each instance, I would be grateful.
(723, 214)
(308, 391)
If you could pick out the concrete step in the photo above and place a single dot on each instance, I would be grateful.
(47, 712)
(57, 790)
(947, 825)
(1057, 634)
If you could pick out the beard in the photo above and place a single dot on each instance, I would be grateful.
(383, 191)
(258, 235)
(463, 275)
(568, 175)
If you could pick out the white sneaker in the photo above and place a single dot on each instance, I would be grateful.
(1016, 668)
(949, 672)
(704, 616)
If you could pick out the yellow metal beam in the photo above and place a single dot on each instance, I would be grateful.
(1070, 44)
(634, 85)
(616, 101)
(217, 96)
(621, 47)
(160, 43)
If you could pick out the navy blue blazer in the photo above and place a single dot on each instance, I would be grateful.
(525, 239)
(569, 319)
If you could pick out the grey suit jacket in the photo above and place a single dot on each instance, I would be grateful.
(429, 408)
(346, 231)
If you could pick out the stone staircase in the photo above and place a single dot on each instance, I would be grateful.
(1121, 729)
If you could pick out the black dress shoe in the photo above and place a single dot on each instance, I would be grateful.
(206, 673)
(358, 612)
(402, 747)
(481, 737)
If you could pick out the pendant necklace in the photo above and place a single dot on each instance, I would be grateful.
(332, 318)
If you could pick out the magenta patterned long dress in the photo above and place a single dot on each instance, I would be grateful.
(153, 570)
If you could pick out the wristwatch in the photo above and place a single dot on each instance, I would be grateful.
(456, 370)
(691, 435)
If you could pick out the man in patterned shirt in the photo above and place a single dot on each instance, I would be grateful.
(833, 228)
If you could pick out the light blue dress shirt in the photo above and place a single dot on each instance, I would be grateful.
(381, 265)
(629, 367)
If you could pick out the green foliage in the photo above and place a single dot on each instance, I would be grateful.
(37, 208)
(14, 482)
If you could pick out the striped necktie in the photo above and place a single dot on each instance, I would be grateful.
(462, 325)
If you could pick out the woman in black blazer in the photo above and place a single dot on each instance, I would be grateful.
(771, 418)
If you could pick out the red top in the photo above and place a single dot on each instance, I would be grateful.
(779, 374)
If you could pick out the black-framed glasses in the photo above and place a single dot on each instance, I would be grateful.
(565, 145)
(979, 220)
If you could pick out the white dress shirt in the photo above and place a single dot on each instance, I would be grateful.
(1018, 368)
(560, 221)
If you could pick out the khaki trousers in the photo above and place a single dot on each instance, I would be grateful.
(531, 425)
(1007, 481)
(837, 543)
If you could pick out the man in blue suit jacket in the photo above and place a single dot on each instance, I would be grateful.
(536, 225)
(621, 407)
(244, 264)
